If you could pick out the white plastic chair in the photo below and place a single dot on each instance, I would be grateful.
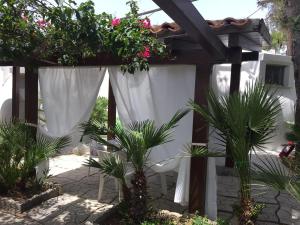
(161, 168)
(102, 155)
(94, 148)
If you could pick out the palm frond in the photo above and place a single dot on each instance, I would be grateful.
(294, 134)
(111, 165)
(93, 127)
(294, 189)
(21, 150)
(272, 173)
(201, 151)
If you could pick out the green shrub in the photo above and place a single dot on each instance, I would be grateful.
(21, 151)
(199, 220)
(100, 110)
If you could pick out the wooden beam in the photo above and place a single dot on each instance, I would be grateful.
(198, 172)
(112, 111)
(31, 95)
(183, 45)
(234, 87)
(185, 14)
(16, 93)
(243, 41)
(183, 52)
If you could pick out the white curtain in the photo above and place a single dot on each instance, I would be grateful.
(5, 93)
(157, 95)
(69, 95)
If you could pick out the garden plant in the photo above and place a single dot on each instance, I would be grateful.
(21, 151)
(136, 140)
(245, 122)
(284, 174)
(64, 33)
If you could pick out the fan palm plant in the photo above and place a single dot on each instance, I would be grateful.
(21, 151)
(274, 174)
(294, 136)
(136, 140)
(244, 122)
(282, 174)
(93, 127)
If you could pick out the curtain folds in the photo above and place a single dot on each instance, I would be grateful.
(69, 95)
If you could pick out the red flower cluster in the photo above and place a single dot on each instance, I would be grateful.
(115, 22)
(146, 53)
(146, 23)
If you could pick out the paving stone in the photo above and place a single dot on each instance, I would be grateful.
(225, 203)
(265, 223)
(268, 213)
(52, 207)
(264, 194)
(285, 215)
(225, 215)
(227, 186)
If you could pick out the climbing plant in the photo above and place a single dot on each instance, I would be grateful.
(65, 33)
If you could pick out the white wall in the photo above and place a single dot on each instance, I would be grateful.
(255, 71)
(5, 93)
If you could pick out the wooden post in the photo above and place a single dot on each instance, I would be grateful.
(31, 95)
(16, 93)
(112, 110)
(200, 135)
(234, 87)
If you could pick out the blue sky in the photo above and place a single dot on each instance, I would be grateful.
(210, 9)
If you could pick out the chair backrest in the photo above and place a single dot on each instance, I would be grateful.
(103, 154)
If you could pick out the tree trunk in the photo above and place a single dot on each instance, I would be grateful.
(139, 207)
(292, 9)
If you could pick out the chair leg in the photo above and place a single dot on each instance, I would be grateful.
(163, 180)
(119, 189)
(101, 185)
(89, 172)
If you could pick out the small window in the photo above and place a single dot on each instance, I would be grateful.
(275, 74)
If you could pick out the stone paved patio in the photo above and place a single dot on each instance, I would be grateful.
(79, 205)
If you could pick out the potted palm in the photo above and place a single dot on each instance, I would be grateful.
(136, 140)
(245, 123)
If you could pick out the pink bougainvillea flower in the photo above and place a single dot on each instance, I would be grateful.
(146, 53)
(42, 23)
(115, 22)
(146, 23)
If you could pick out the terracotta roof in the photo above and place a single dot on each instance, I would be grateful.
(173, 28)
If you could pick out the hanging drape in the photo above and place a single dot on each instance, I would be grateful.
(157, 95)
(5, 93)
(69, 95)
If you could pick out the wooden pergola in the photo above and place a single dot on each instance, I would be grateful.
(195, 43)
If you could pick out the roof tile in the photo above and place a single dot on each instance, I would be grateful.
(173, 28)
